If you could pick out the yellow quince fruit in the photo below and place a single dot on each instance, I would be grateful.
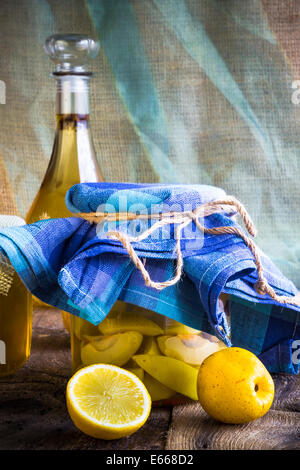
(234, 386)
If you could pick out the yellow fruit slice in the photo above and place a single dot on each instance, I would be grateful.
(192, 349)
(173, 327)
(129, 322)
(102, 343)
(174, 374)
(161, 341)
(107, 402)
(149, 346)
(138, 371)
(157, 390)
(115, 349)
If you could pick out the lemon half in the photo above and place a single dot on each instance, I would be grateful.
(107, 402)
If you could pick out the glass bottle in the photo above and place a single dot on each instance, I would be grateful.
(73, 157)
(163, 353)
(15, 312)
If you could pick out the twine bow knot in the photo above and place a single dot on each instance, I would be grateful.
(181, 220)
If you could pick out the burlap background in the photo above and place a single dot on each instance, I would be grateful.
(200, 94)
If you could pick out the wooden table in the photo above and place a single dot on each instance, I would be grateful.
(33, 412)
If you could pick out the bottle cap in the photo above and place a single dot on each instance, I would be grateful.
(71, 52)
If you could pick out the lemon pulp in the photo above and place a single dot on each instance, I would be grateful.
(108, 402)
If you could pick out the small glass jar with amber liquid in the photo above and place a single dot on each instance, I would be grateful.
(15, 313)
(163, 353)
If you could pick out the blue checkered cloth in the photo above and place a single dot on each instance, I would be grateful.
(73, 265)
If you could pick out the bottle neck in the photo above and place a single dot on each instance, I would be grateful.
(72, 95)
(73, 157)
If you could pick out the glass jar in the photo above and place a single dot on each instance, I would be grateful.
(163, 353)
(15, 313)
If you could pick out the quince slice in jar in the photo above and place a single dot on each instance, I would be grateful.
(115, 349)
(157, 390)
(129, 322)
(172, 373)
(173, 327)
(149, 346)
(138, 371)
(192, 349)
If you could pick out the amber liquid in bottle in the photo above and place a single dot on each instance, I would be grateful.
(72, 161)
(15, 312)
(15, 327)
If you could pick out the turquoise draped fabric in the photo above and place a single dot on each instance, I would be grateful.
(242, 67)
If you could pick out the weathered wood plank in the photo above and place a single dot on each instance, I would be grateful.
(192, 428)
(33, 412)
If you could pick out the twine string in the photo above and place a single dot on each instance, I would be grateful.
(181, 220)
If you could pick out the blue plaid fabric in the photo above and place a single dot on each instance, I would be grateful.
(73, 265)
